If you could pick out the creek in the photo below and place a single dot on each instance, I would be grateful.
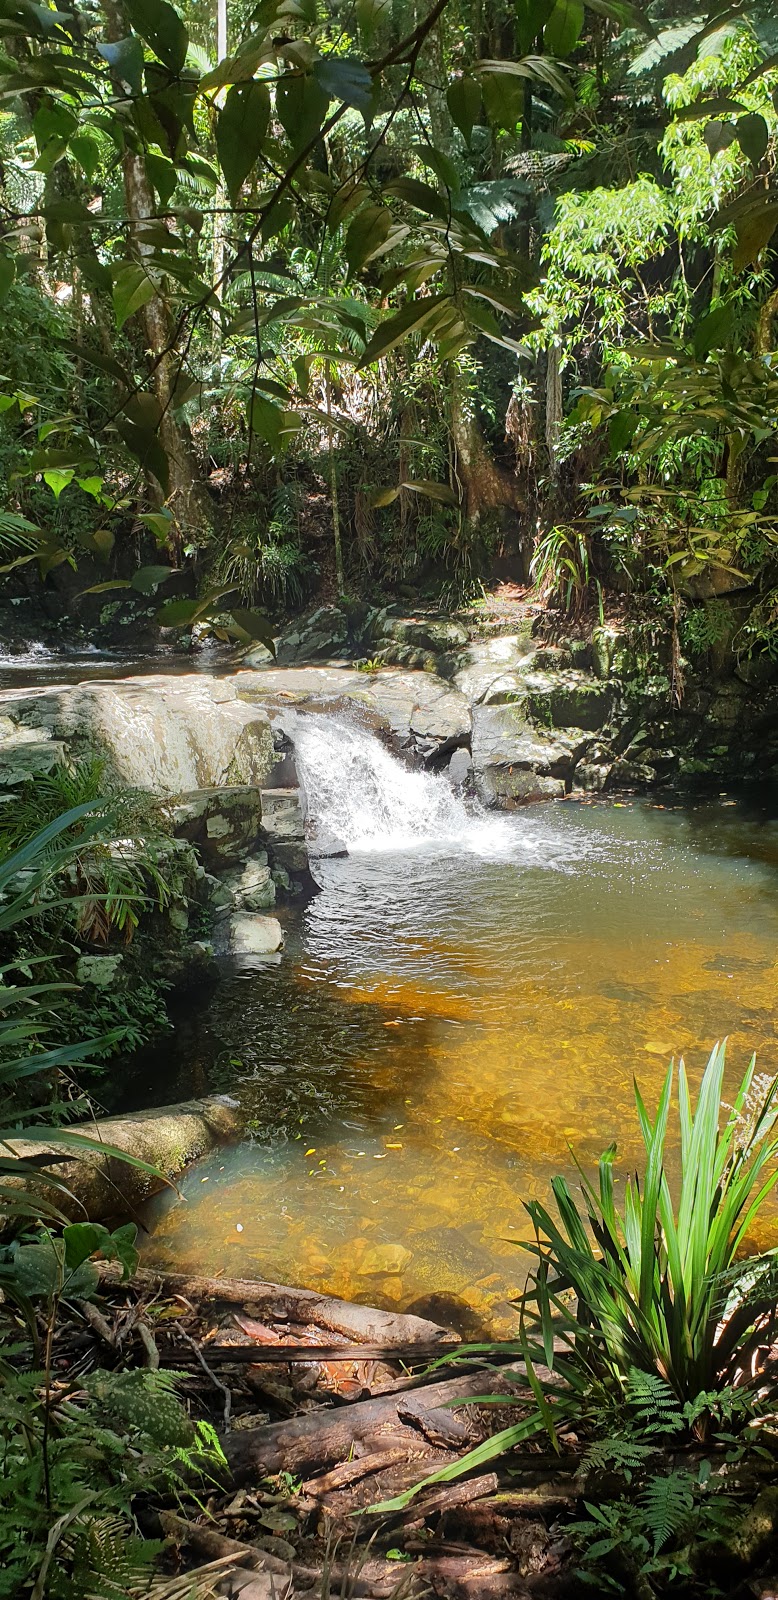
(468, 996)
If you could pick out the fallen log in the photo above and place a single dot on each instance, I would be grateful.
(102, 1187)
(364, 1324)
(321, 1439)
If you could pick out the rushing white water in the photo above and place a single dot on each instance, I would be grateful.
(359, 793)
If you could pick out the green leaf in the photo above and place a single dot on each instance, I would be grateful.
(503, 99)
(301, 105)
(410, 319)
(58, 479)
(147, 579)
(82, 1240)
(345, 78)
(754, 231)
(87, 153)
(371, 14)
(564, 27)
(752, 136)
(621, 430)
(96, 358)
(367, 235)
(531, 18)
(433, 491)
(241, 131)
(132, 288)
(267, 420)
(719, 135)
(255, 627)
(463, 98)
(163, 175)
(162, 29)
(144, 445)
(161, 524)
(178, 613)
(713, 330)
(125, 58)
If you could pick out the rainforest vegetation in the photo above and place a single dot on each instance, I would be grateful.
(364, 301)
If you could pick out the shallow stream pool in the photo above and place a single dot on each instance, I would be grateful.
(447, 1020)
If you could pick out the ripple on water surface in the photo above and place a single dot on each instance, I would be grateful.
(446, 1023)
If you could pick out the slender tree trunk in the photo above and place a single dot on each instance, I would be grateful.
(187, 497)
(219, 221)
(334, 484)
(484, 485)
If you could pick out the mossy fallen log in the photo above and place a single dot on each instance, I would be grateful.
(102, 1187)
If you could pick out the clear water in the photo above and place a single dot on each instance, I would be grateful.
(452, 1013)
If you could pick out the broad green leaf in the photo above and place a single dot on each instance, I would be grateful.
(87, 153)
(162, 28)
(266, 420)
(463, 98)
(754, 231)
(442, 165)
(96, 358)
(145, 446)
(344, 78)
(564, 27)
(52, 126)
(433, 491)
(719, 135)
(752, 136)
(255, 627)
(92, 486)
(410, 319)
(503, 99)
(178, 613)
(132, 289)
(301, 105)
(82, 1240)
(366, 236)
(371, 14)
(161, 524)
(621, 430)
(163, 175)
(148, 579)
(713, 330)
(58, 479)
(125, 58)
(531, 18)
(240, 132)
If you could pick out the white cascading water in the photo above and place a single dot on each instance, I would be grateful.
(360, 794)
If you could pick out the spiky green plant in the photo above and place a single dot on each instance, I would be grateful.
(655, 1287)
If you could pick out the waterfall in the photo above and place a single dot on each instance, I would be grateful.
(358, 793)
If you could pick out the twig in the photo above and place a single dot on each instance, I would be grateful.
(150, 1346)
(212, 1375)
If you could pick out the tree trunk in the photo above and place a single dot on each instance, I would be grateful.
(187, 498)
(484, 485)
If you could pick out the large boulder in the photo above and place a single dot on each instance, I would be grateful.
(568, 699)
(514, 763)
(167, 734)
(284, 828)
(490, 662)
(252, 935)
(323, 634)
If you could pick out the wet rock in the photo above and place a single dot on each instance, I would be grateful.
(26, 753)
(171, 735)
(514, 762)
(324, 633)
(251, 886)
(569, 699)
(592, 775)
(225, 824)
(425, 633)
(489, 661)
(459, 768)
(284, 828)
(252, 935)
(380, 1259)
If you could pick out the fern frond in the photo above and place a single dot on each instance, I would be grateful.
(667, 1503)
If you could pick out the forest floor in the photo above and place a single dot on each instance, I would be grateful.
(318, 1428)
(326, 1410)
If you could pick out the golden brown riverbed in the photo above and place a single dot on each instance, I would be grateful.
(444, 1026)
